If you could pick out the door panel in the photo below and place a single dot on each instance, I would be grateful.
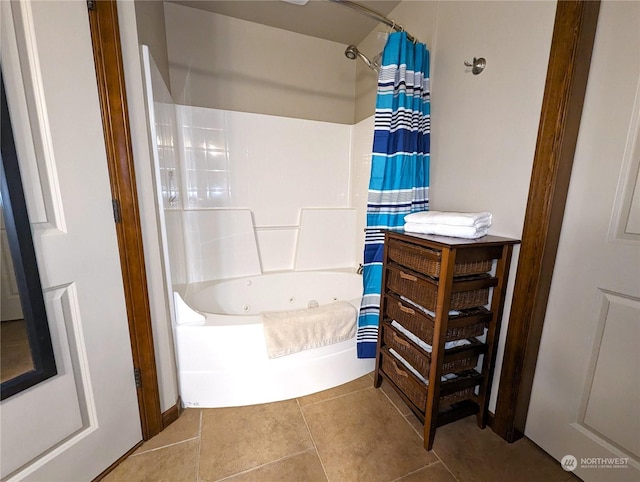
(613, 384)
(74, 425)
(585, 401)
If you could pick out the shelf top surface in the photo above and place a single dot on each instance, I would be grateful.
(488, 240)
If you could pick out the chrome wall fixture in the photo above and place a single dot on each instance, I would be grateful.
(352, 53)
(477, 66)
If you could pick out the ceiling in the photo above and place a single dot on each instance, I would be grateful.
(318, 18)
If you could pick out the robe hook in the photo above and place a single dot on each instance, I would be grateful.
(477, 66)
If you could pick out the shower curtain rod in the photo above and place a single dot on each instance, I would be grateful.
(375, 15)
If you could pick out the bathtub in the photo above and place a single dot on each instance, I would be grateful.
(221, 352)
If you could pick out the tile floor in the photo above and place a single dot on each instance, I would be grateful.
(353, 432)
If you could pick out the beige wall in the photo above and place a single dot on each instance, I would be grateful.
(151, 32)
(484, 127)
(226, 63)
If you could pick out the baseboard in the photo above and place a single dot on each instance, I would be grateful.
(172, 414)
(105, 472)
(517, 435)
(491, 417)
(168, 418)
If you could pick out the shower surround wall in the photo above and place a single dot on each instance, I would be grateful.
(216, 173)
(251, 176)
(231, 180)
(265, 141)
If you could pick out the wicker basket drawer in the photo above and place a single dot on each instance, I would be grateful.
(427, 261)
(425, 292)
(414, 388)
(422, 325)
(461, 358)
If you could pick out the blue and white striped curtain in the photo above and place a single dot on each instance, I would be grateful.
(399, 182)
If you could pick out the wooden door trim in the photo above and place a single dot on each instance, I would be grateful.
(105, 36)
(566, 82)
(569, 61)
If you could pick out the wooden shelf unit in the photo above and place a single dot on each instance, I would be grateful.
(424, 279)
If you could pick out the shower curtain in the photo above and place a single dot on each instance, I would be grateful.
(399, 182)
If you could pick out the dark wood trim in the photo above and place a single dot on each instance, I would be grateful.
(567, 74)
(490, 419)
(105, 35)
(571, 48)
(171, 415)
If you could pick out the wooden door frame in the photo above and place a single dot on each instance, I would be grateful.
(567, 74)
(105, 37)
(566, 83)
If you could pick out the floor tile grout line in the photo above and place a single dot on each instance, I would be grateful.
(394, 405)
(334, 398)
(420, 434)
(406, 419)
(286, 457)
(415, 471)
(445, 465)
(199, 446)
(313, 441)
(155, 449)
(416, 431)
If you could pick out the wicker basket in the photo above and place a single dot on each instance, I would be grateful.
(427, 261)
(425, 292)
(420, 359)
(422, 325)
(413, 387)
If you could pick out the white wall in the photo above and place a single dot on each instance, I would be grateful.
(361, 148)
(269, 166)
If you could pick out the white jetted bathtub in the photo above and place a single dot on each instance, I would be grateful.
(222, 355)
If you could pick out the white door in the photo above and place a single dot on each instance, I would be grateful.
(76, 424)
(585, 404)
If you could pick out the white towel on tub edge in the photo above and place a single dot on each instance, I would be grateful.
(288, 332)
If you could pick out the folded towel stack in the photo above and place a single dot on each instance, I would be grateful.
(441, 223)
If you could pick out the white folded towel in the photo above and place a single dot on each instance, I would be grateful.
(443, 378)
(478, 220)
(425, 346)
(468, 232)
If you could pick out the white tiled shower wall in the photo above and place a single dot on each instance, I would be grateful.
(289, 185)
(275, 165)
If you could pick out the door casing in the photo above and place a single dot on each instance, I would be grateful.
(571, 48)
